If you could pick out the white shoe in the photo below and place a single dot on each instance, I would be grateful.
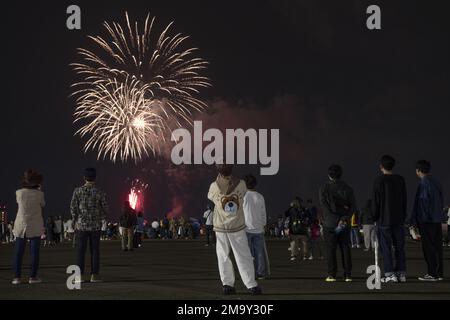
(428, 278)
(392, 278)
(16, 281)
(402, 278)
(310, 258)
(293, 258)
(34, 280)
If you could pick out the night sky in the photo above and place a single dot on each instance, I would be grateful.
(338, 92)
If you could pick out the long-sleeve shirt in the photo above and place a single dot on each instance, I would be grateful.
(254, 212)
(389, 200)
(428, 202)
(88, 207)
(337, 200)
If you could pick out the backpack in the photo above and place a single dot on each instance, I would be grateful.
(299, 224)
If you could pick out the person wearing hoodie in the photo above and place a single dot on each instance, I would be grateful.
(389, 212)
(338, 204)
(427, 214)
(227, 193)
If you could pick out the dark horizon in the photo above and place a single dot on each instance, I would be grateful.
(338, 92)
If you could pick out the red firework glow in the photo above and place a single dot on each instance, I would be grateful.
(136, 195)
(133, 199)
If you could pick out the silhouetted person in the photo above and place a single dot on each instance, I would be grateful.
(88, 208)
(428, 215)
(389, 210)
(127, 222)
(338, 204)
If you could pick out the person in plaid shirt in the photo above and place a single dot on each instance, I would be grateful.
(88, 208)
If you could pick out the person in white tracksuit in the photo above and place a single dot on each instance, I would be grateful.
(227, 194)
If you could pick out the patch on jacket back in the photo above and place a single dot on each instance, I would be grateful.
(230, 204)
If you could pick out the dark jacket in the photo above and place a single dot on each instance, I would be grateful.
(428, 203)
(337, 201)
(389, 200)
(128, 218)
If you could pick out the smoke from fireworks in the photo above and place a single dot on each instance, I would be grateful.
(129, 70)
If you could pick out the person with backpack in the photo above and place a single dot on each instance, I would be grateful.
(297, 221)
(389, 211)
(227, 193)
(338, 204)
(427, 214)
(209, 227)
(127, 222)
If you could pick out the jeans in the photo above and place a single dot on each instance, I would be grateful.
(19, 251)
(93, 237)
(332, 241)
(258, 251)
(210, 236)
(393, 237)
(355, 237)
(431, 234)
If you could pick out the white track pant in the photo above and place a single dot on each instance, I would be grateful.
(238, 242)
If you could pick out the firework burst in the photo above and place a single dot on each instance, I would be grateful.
(120, 121)
(166, 72)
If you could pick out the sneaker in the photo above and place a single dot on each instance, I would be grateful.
(429, 278)
(330, 279)
(16, 281)
(391, 278)
(206, 245)
(402, 278)
(260, 277)
(293, 258)
(228, 290)
(310, 258)
(289, 249)
(256, 291)
(34, 280)
(95, 278)
(348, 279)
(305, 258)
